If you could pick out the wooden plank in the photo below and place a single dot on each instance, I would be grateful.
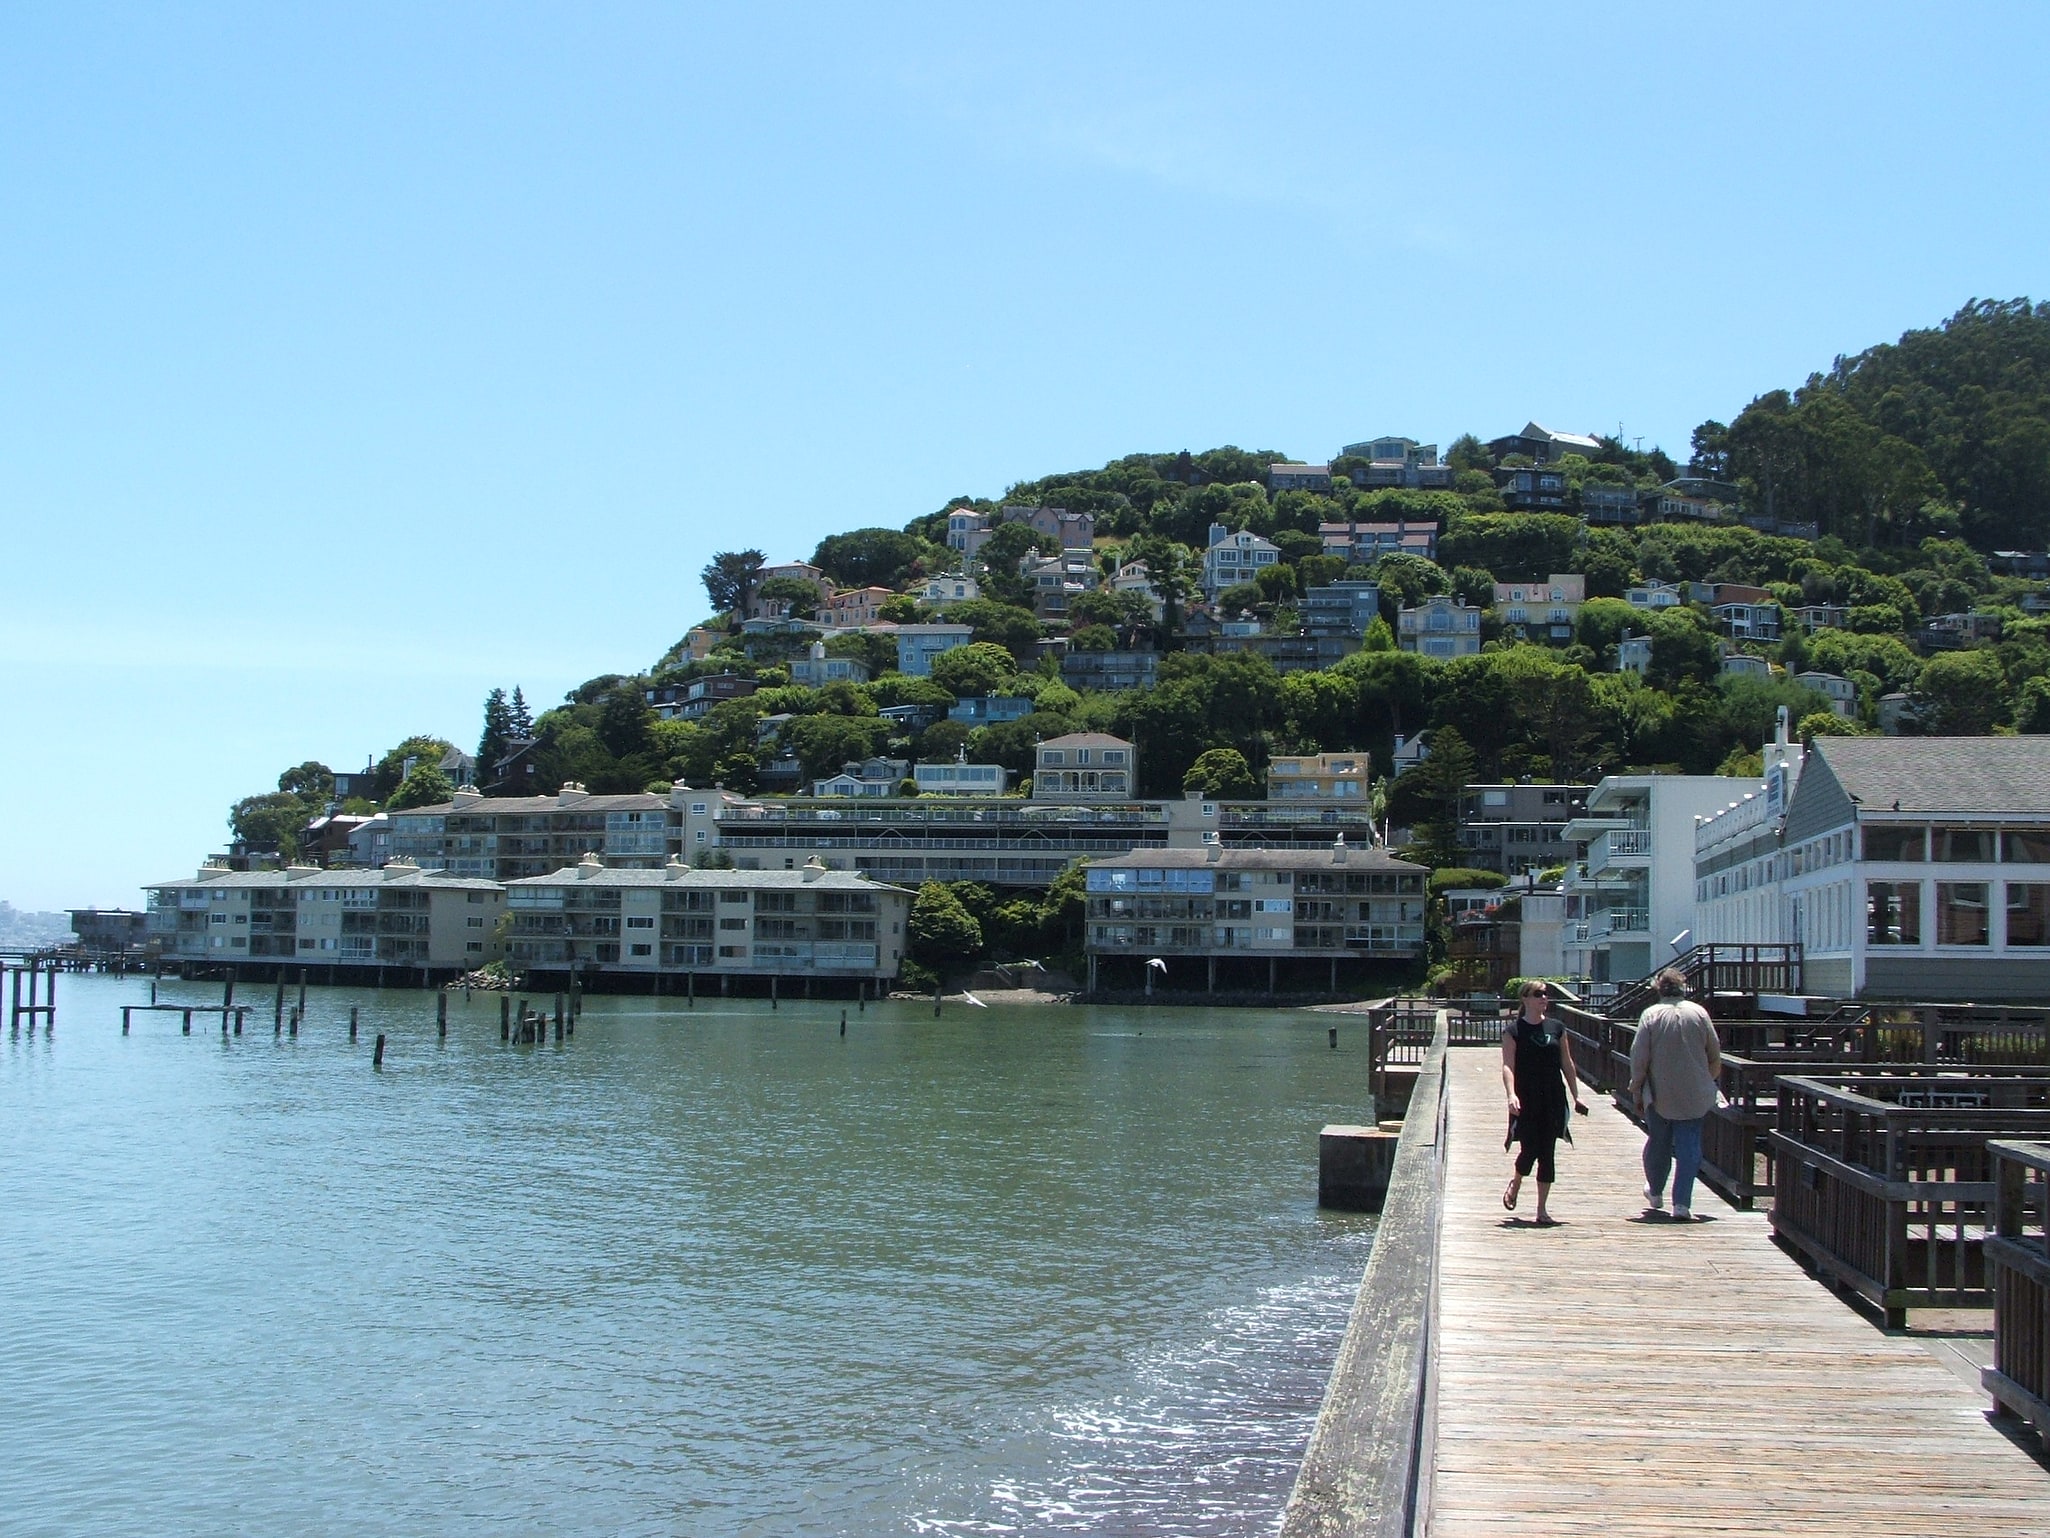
(1628, 1377)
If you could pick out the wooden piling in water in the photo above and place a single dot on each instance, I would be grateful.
(774, 1002)
(302, 990)
(377, 1052)
(188, 1022)
(505, 1017)
(352, 1022)
(124, 1019)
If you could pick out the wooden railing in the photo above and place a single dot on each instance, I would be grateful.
(1400, 1032)
(2018, 1271)
(1710, 969)
(1367, 1472)
(1883, 1183)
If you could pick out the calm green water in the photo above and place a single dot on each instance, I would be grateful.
(721, 1271)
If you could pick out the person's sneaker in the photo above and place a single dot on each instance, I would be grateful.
(1654, 1200)
(1683, 1214)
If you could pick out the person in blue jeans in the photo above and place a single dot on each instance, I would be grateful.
(1674, 1064)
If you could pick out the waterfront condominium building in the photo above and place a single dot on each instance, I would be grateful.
(622, 924)
(1246, 914)
(1330, 778)
(348, 921)
(503, 838)
(1630, 890)
(1518, 828)
(1912, 868)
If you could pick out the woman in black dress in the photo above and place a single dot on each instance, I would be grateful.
(1537, 1074)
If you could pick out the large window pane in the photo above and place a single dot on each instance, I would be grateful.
(2026, 846)
(2028, 913)
(1893, 913)
(1955, 844)
(1885, 843)
(1961, 916)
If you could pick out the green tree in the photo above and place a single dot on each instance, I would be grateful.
(1682, 646)
(941, 933)
(1013, 628)
(979, 668)
(496, 739)
(730, 580)
(1379, 638)
(1221, 774)
(626, 722)
(1960, 694)
(393, 767)
(869, 557)
(1427, 797)
(270, 821)
(425, 786)
(824, 743)
(802, 596)
(311, 782)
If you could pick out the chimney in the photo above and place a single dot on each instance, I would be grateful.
(589, 865)
(572, 790)
(814, 868)
(1213, 852)
(1338, 850)
(1217, 533)
(467, 796)
(673, 867)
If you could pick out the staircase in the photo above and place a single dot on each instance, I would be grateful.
(1710, 969)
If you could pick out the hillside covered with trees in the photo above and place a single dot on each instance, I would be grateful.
(1915, 461)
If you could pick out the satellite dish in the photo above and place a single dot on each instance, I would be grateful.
(1679, 941)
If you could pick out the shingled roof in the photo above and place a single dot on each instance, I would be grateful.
(1984, 776)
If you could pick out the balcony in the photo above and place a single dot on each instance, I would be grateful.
(1622, 924)
(1619, 849)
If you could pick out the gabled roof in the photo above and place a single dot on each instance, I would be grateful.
(1086, 740)
(1933, 776)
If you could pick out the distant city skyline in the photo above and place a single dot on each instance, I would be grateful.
(360, 363)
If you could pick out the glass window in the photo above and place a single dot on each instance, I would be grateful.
(1887, 843)
(1961, 915)
(2026, 847)
(2028, 913)
(1893, 913)
(1954, 844)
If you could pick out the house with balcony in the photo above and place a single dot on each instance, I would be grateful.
(1298, 477)
(855, 606)
(1542, 446)
(1362, 544)
(1822, 616)
(1235, 558)
(1905, 868)
(1633, 655)
(1109, 671)
(815, 669)
(1654, 595)
(1085, 767)
(1073, 531)
(1605, 502)
(1402, 451)
(779, 608)
(1240, 917)
(354, 923)
(959, 778)
(1744, 665)
(1841, 693)
(1746, 613)
(950, 587)
(1133, 577)
(1518, 828)
(991, 709)
(1440, 626)
(968, 531)
(1545, 610)
(871, 778)
(1630, 891)
(676, 921)
(501, 838)
(1056, 580)
(917, 645)
(1531, 489)
(1320, 778)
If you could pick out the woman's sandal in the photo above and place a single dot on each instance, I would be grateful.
(1510, 1191)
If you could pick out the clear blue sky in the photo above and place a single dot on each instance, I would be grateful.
(354, 359)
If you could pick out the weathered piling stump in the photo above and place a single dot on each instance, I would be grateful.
(1353, 1166)
(352, 1022)
(377, 1052)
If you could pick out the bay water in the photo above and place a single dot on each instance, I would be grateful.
(717, 1270)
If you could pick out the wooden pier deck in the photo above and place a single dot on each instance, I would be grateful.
(1628, 1377)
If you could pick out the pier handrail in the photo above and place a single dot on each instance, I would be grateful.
(1367, 1471)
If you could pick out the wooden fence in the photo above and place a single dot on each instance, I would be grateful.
(2018, 1271)
(1883, 1183)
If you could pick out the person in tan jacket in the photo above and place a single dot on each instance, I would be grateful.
(1674, 1064)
